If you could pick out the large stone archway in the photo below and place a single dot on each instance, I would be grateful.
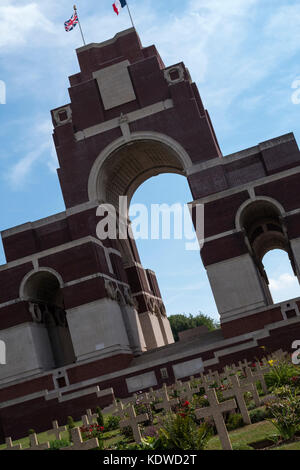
(118, 172)
(122, 167)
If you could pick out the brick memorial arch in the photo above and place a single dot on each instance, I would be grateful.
(78, 313)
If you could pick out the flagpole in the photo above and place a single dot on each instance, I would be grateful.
(75, 9)
(130, 14)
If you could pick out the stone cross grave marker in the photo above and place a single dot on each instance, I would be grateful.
(10, 446)
(278, 355)
(188, 391)
(57, 430)
(177, 386)
(78, 443)
(196, 381)
(133, 420)
(238, 391)
(34, 443)
(92, 417)
(144, 399)
(251, 379)
(152, 394)
(229, 371)
(243, 364)
(167, 402)
(85, 421)
(257, 376)
(216, 411)
(265, 362)
(204, 379)
(213, 377)
(117, 408)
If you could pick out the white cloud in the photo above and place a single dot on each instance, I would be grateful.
(40, 148)
(283, 282)
(20, 171)
(19, 23)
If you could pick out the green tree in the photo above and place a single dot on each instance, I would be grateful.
(186, 322)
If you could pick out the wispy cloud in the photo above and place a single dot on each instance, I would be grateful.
(283, 282)
(40, 148)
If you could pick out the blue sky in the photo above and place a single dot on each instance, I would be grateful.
(244, 56)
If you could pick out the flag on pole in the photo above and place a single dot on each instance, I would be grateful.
(118, 5)
(72, 22)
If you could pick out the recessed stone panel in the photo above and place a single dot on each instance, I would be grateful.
(188, 368)
(140, 382)
(115, 85)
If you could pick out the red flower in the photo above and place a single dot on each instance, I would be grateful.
(187, 403)
(183, 415)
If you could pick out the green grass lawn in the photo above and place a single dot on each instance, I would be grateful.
(252, 433)
(293, 446)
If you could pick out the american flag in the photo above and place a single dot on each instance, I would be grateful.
(72, 22)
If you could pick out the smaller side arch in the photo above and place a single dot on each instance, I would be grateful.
(26, 278)
(42, 290)
(247, 203)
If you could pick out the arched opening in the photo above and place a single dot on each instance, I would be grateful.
(43, 292)
(181, 276)
(120, 171)
(265, 234)
(122, 168)
(129, 166)
(283, 283)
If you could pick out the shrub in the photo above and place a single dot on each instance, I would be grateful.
(285, 415)
(235, 421)
(151, 431)
(127, 432)
(59, 444)
(31, 431)
(70, 422)
(257, 416)
(282, 373)
(180, 432)
(123, 445)
(70, 425)
(251, 406)
(201, 401)
(112, 423)
(100, 418)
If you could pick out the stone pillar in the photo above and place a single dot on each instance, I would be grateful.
(97, 329)
(237, 286)
(28, 352)
(152, 330)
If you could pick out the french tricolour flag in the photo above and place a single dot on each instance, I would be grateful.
(118, 5)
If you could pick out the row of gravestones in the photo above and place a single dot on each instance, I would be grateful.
(240, 379)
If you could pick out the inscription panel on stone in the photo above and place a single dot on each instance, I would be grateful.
(140, 382)
(115, 85)
(185, 369)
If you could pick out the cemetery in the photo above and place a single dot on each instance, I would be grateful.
(247, 406)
